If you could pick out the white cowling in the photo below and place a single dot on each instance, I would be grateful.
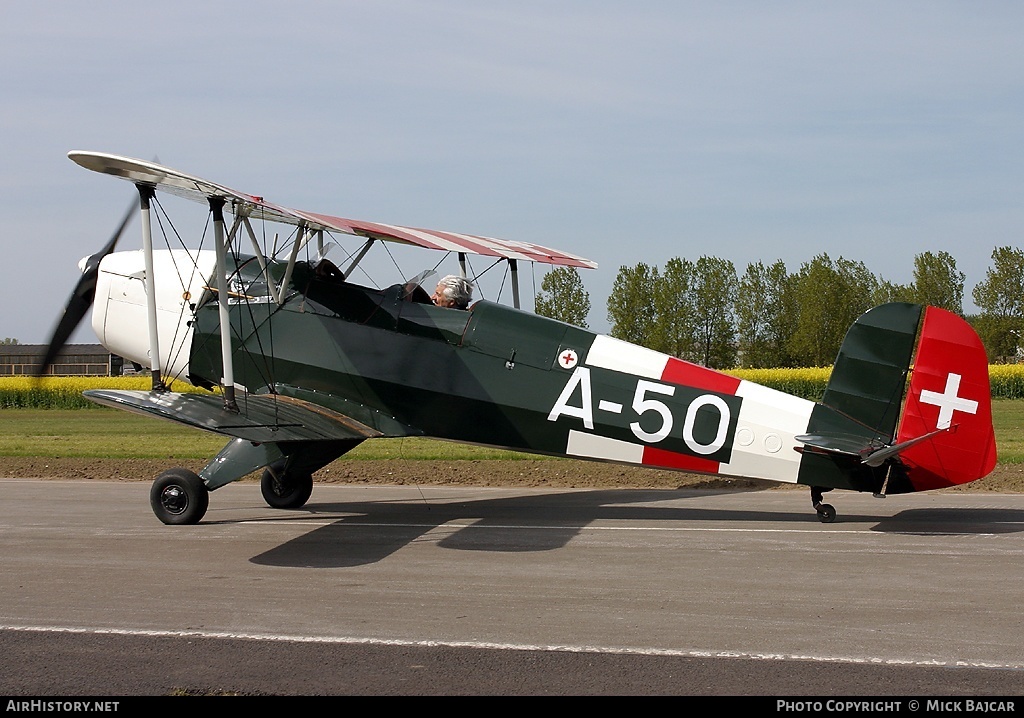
(120, 316)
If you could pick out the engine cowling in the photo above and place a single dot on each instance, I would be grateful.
(120, 315)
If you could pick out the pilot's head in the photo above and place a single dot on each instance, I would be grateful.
(453, 291)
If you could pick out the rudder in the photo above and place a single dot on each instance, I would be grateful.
(949, 394)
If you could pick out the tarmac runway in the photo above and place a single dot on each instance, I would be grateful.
(482, 591)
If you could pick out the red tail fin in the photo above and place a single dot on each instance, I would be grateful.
(949, 390)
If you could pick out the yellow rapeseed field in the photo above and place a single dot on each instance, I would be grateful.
(1007, 380)
(808, 383)
(65, 392)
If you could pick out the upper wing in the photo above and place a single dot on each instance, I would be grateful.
(194, 188)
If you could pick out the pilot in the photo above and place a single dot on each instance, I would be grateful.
(453, 291)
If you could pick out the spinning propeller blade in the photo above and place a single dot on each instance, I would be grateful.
(81, 298)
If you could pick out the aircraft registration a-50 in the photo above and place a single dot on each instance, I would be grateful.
(309, 364)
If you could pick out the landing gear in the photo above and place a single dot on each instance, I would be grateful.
(285, 489)
(179, 497)
(826, 512)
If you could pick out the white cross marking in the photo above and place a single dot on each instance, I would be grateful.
(948, 401)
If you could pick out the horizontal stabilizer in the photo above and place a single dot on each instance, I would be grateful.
(855, 446)
(877, 458)
(262, 418)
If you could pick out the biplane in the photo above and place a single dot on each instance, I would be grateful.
(303, 364)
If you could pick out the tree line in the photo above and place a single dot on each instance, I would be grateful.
(704, 311)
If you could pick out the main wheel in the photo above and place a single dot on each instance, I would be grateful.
(179, 497)
(285, 490)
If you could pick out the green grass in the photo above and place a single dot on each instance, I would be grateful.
(109, 433)
(1008, 418)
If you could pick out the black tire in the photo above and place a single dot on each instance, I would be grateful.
(283, 490)
(179, 497)
(826, 513)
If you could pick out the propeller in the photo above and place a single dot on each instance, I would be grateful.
(82, 297)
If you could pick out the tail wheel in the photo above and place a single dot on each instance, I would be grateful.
(179, 497)
(286, 489)
(826, 513)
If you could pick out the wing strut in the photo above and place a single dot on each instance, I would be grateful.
(257, 250)
(514, 267)
(359, 256)
(146, 193)
(228, 382)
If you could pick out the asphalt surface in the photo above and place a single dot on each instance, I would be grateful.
(491, 592)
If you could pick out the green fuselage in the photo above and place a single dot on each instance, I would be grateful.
(490, 375)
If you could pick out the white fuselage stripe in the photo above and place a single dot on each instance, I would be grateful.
(764, 446)
(610, 353)
(593, 446)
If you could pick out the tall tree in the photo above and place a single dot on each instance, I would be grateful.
(714, 289)
(1001, 300)
(860, 286)
(938, 282)
(831, 295)
(563, 297)
(631, 310)
(886, 291)
(673, 303)
(1000, 293)
(764, 319)
(1000, 336)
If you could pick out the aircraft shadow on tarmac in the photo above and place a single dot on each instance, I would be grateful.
(366, 532)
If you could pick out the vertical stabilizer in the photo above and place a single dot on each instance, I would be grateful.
(874, 431)
(870, 372)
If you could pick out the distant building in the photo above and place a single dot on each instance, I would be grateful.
(73, 360)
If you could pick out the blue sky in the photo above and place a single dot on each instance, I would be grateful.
(623, 132)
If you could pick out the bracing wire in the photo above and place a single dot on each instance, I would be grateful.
(443, 257)
(265, 365)
(501, 287)
(394, 261)
(161, 216)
